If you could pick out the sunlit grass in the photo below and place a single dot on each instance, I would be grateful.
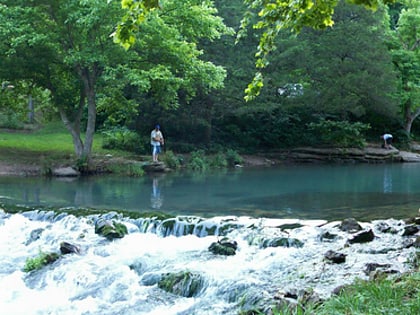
(52, 141)
(396, 295)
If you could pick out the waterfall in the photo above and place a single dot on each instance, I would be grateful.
(123, 276)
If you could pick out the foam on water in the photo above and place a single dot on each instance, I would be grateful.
(119, 277)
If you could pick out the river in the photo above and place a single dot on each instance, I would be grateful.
(329, 192)
(121, 276)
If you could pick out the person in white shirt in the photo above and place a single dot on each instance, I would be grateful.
(156, 140)
(387, 140)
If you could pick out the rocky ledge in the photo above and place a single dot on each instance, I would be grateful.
(365, 155)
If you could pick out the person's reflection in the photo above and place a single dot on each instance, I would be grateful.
(387, 181)
(156, 199)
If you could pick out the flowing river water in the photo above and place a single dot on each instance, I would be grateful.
(121, 276)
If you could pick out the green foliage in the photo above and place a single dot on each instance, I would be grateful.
(405, 49)
(126, 169)
(233, 157)
(272, 17)
(171, 160)
(11, 121)
(121, 138)
(40, 261)
(343, 134)
(218, 161)
(377, 297)
(198, 161)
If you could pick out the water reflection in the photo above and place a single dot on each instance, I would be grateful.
(387, 180)
(301, 191)
(156, 199)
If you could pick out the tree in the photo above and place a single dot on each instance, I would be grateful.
(66, 46)
(405, 49)
(268, 16)
(63, 46)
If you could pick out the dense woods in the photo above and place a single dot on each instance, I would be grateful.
(188, 70)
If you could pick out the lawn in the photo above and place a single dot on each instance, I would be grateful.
(51, 141)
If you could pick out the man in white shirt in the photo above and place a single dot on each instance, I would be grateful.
(387, 140)
(156, 140)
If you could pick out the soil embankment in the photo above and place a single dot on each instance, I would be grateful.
(370, 154)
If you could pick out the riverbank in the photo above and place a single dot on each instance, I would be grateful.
(15, 165)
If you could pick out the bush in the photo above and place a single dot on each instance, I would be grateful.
(10, 121)
(340, 133)
(121, 138)
(171, 160)
(233, 158)
(218, 161)
(198, 161)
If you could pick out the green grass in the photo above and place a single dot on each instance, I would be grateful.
(50, 142)
(388, 296)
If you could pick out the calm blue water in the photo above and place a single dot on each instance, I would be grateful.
(330, 192)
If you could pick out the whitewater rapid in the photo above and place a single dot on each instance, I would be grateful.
(119, 276)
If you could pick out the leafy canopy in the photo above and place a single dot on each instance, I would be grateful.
(270, 16)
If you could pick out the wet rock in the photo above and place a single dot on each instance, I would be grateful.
(327, 236)
(370, 267)
(362, 237)
(290, 226)
(384, 227)
(282, 242)
(35, 235)
(335, 257)
(155, 167)
(381, 274)
(417, 242)
(410, 230)
(65, 172)
(40, 261)
(412, 242)
(186, 284)
(110, 230)
(224, 247)
(350, 225)
(67, 248)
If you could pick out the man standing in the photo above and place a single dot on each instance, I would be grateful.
(156, 140)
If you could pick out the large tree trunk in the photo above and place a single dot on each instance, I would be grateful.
(91, 121)
(74, 126)
(409, 116)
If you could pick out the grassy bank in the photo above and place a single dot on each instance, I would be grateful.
(398, 294)
(48, 145)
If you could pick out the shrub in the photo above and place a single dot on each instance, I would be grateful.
(233, 158)
(121, 138)
(218, 161)
(171, 160)
(198, 161)
(10, 121)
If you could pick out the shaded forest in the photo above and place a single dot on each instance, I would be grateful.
(342, 86)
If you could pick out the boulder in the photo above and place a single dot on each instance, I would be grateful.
(224, 247)
(334, 257)
(362, 237)
(67, 248)
(186, 284)
(350, 225)
(282, 242)
(155, 167)
(65, 172)
(110, 230)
